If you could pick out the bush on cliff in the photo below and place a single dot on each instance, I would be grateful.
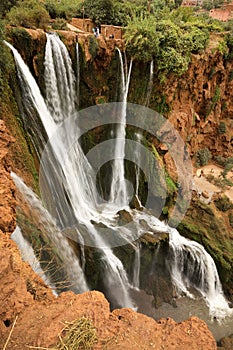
(6, 65)
(63, 9)
(168, 38)
(29, 14)
(5, 6)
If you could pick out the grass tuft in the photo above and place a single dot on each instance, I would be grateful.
(79, 334)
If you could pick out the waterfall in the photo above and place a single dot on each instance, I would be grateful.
(70, 182)
(32, 91)
(150, 84)
(136, 270)
(118, 193)
(68, 174)
(137, 169)
(78, 75)
(192, 266)
(59, 79)
(28, 255)
(75, 275)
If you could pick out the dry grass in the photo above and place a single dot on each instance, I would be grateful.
(80, 334)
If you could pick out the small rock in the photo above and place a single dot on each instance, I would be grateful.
(205, 194)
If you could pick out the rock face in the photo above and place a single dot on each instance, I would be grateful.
(39, 316)
(7, 201)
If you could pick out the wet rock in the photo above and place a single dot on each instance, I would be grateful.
(124, 217)
(135, 204)
(226, 343)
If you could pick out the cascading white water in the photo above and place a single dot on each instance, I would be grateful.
(33, 91)
(28, 255)
(77, 177)
(79, 187)
(192, 266)
(136, 271)
(77, 75)
(118, 192)
(150, 84)
(75, 275)
(59, 79)
(137, 169)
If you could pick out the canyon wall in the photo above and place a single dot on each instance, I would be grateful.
(196, 104)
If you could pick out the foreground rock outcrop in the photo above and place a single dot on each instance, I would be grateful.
(38, 316)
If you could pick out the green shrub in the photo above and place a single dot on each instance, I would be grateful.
(222, 128)
(224, 204)
(229, 41)
(203, 156)
(214, 101)
(141, 40)
(23, 39)
(6, 62)
(5, 6)
(29, 14)
(231, 219)
(220, 160)
(210, 4)
(93, 46)
(63, 9)
(167, 37)
(59, 24)
(100, 11)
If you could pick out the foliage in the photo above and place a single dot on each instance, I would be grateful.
(63, 9)
(211, 4)
(169, 41)
(214, 101)
(5, 6)
(224, 203)
(229, 42)
(23, 39)
(100, 11)
(227, 163)
(6, 65)
(59, 24)
(141, 41)
(231, 219)
(93, 46)
(222, 128)
(79, 334)
(28, 14)
(203, 156)
(222, 47)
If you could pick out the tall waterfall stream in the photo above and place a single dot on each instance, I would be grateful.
(73, 201)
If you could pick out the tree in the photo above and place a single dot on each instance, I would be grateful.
(5, 6)
(100, 11)
(29, 14)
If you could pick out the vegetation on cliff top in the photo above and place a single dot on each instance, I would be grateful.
(169, 37)
(158, 30)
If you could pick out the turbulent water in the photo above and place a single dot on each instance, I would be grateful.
(72, 199)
